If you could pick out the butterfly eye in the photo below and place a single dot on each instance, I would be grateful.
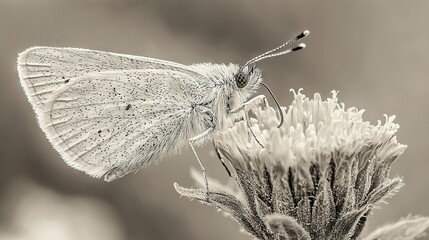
(241, 79)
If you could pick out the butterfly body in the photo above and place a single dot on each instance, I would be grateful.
(220, 91)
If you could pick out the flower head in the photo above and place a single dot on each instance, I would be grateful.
(318, 176)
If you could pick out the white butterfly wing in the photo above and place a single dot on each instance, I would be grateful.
(108, 122)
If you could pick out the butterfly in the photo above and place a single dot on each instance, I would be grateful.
(110, 114)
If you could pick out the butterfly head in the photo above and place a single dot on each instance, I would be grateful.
(247, 77)
(244, 76)
(247, 80)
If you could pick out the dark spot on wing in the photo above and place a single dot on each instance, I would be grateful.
(99, 131)
(65, 80)
(128, 107)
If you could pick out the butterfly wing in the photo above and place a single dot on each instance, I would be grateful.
(105, 121)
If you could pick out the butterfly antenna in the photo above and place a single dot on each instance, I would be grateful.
(277, 103)
(275, 52)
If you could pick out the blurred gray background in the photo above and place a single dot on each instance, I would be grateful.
(376, 53)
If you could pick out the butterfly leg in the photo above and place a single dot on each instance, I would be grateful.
(221, 159)
(252, 102)
(203, 169)
(245, 108)
(247, 120)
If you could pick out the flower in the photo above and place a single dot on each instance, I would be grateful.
(318, 176)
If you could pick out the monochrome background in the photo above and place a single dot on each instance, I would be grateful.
(376, 53)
